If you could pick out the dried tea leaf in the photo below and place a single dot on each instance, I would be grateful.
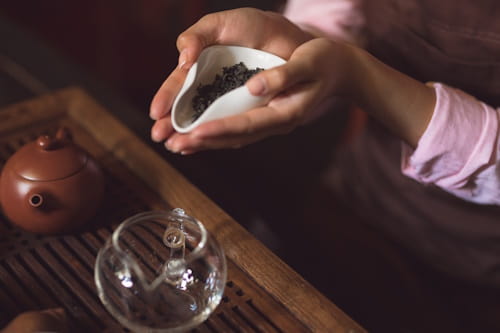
(231, 78)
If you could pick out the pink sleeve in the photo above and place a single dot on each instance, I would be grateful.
(336, 19)
(458, 150)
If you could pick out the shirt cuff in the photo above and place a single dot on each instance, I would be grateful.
(459, 141)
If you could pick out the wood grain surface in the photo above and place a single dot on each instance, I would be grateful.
(164, 187)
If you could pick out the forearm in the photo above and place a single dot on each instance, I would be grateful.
(455, 135)
(404, 105)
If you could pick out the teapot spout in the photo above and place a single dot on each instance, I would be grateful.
(35, 200)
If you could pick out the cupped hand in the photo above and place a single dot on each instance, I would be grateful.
(315, 70)
(248, 27)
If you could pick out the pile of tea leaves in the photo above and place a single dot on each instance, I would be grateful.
(231, 78)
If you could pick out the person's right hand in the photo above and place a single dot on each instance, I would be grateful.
(248, 27)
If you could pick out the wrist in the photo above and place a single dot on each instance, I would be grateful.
(355, 83)
(401, 103)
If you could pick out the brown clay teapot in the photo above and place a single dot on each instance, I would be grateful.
(51, 185)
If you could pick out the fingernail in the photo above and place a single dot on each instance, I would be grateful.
(152, 115)
(257, 86)
(154, 137)
(170, 146)
(168, 143)
(183, 60)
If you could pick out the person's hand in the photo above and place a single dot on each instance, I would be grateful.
(50, 320)
(248, 27)
(314, 71)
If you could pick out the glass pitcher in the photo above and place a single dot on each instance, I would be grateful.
(160, 271)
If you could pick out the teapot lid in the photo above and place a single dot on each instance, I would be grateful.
(49, 158)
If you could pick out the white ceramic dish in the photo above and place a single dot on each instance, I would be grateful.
(210, 63)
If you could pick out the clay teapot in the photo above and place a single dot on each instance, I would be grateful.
(51, 185)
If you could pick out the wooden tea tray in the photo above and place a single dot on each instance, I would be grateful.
(263, 294)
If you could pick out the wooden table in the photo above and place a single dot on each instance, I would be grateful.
(263, 294)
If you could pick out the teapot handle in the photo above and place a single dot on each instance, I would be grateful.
(64, 134)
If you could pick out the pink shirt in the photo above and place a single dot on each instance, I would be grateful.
(458, 150)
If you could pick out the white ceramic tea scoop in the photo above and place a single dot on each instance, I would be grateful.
(209, 64)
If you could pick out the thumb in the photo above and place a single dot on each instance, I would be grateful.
(277, 79)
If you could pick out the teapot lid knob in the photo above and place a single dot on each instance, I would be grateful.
(46, 142)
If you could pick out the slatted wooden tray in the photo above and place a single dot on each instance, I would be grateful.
(36, 272)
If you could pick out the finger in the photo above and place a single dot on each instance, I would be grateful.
(275, 80)
(187, 144)
(190, 43)
(245, 128)
(162, 130)
(230, 27)
(231, 132)
(180, 142)
(253, 121)
(164, 97)
(200, 35)
(231, 141)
